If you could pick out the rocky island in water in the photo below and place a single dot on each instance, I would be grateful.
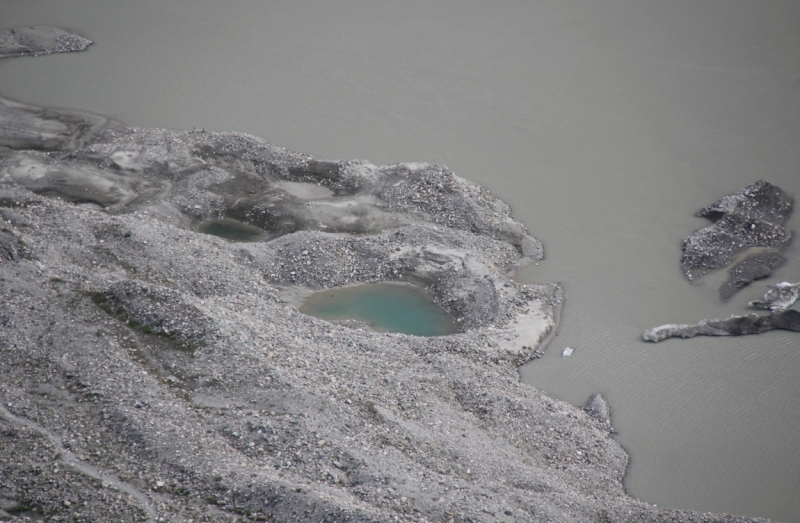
(151, 372)
(745, 243)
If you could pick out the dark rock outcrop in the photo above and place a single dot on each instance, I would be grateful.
(733, 326)
(747, 237)
(38, 40)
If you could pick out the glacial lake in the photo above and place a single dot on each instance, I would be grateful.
(386, 307)
(604, 125)
(231, 230)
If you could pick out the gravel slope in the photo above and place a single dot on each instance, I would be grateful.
(150, 372)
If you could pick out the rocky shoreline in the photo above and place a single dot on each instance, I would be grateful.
(40, 40)
(154, 373)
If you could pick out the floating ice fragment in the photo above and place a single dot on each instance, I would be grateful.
(568, 352)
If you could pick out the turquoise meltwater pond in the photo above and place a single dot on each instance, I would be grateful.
(386, 307)
(231, 230)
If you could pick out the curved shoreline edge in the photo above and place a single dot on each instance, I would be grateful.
(168, 358)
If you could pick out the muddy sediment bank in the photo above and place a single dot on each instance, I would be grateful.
(166, 362)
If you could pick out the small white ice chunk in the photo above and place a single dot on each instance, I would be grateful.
(568, 352)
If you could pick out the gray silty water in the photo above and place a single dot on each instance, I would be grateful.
(605, 126)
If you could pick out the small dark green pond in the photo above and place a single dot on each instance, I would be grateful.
(231, 230)
(386, 307)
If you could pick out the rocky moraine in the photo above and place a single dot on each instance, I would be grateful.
(154, 373)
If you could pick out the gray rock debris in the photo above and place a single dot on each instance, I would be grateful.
(780, 296)
(733, 326)
(778, 299)
(746, 238)
(40, 40)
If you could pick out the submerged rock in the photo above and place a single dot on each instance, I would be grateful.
(40, 40)
(747, 237)
(733, 326)
(780, 296)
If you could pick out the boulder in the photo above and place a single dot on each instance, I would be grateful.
(597, 407)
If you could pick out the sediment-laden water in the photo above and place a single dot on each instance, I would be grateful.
(604, 125)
